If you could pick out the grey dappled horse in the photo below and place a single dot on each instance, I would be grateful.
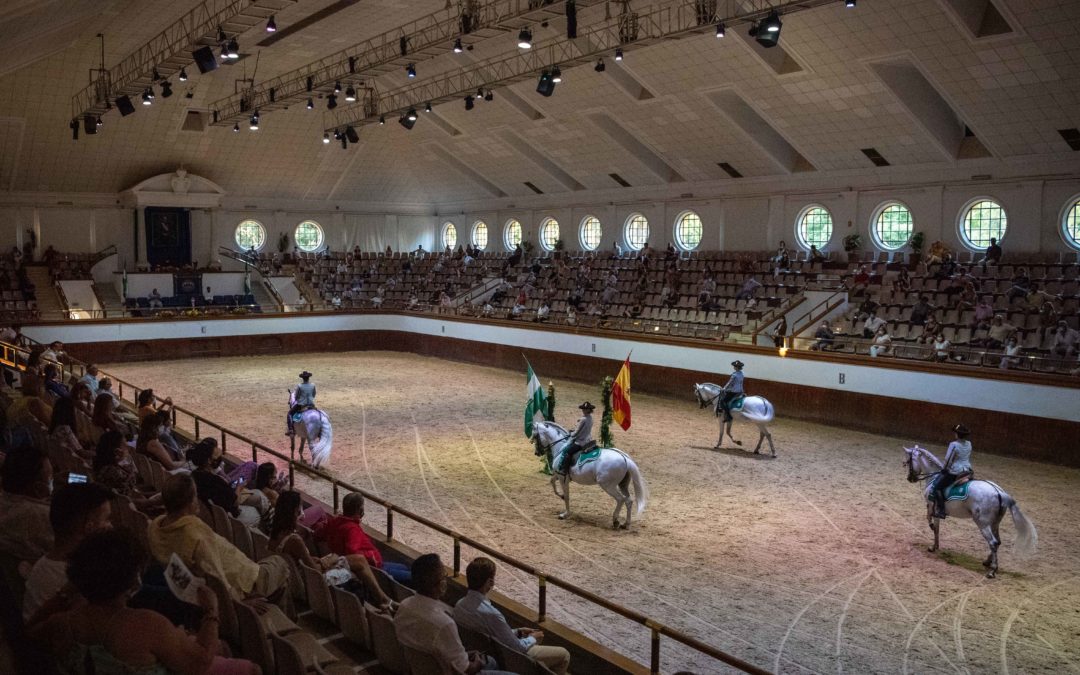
(313, 429)
(755, 409)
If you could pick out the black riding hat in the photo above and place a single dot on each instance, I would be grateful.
(961, 430)
(737, 364)
(587, 407)
(305, 375)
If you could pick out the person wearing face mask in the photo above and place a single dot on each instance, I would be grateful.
(26, 478)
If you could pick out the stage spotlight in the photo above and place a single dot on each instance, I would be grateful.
(236, 128)
(337, 87)
(147, 96)
(382, 120)
(90, 125)
(600, 67)
(849, 3)
(489, 96)
(427, 108)
(457, 46)
(350, 133)
(720, 32)
(479, 94)
(350, 94)
(772, 22)
(337, 134)
(271, 25)
(411, 115)
(98, 122)
(326, 137)
(767, 32)
(410, 70)
(406, 122)
(469, 103)
(556, 75)
(525, 39)
(183, 75)
(224, 53)
(155, 76)
(310, 104)
(166, 89)
(331, 102)
(254, 123)
(234, 49)
(545, 86)
(618, 54)
(124, 105)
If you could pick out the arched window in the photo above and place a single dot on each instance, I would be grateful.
(982, 218)
(892, 226)
(480, 235)
(688, 230)
(308, 236)
(512, 234)
(1070, 224)
(637, 231)
(590, 234)
(449, 235)
(250, 234)
(814, 226)
(549, 233)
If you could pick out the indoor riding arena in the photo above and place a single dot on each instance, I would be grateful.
(815, 561)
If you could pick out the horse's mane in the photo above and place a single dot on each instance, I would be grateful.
(923, 452)
(554, 424)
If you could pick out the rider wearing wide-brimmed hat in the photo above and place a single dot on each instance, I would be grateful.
(957, 464)
(580, 437)
(303, 398)
(732, 390)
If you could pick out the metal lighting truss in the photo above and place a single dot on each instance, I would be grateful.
(170, 50)
(629, 30)
(425, 38)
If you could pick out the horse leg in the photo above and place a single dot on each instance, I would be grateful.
(993, 540)
(760, 438)
(554, 478)
(935, 525)
(738, 443)
(720, 441)
(624, 490)
(566, 498)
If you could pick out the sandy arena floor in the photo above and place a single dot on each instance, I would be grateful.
(813, 562)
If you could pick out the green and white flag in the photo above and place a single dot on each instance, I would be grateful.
(536, 403)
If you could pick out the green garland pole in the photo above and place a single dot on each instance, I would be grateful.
(549, 415)
(606, 440)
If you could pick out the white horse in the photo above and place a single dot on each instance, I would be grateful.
(313, 429)
(756, 409)
(612, 470)
(985, 504)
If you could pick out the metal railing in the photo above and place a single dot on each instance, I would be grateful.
(231, 441)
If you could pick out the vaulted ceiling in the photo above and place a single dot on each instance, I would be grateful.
(902, 77)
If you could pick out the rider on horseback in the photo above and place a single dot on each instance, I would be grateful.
(957, 465)
(580, 438)
(731, 391)
(303, 399)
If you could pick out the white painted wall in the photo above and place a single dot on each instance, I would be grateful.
(80, 295)
(1019, 398)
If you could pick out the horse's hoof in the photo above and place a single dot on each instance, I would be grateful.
(932, 549)
(624, 526)
(562, 516)
(991, 574)
(986, 563)
(738, 443)
(757, 452)
(615, 525)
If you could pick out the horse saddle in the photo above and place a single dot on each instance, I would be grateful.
(958, 491)
(589, 455)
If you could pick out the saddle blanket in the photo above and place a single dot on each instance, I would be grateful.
(737, 403)
(957, 493)
(589, 456)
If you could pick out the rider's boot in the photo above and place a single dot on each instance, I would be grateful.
(939, 505)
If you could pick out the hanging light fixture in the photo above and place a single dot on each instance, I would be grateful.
(457, 46)
(350, 94)
(382, 120)
(236, 128)
(310, 104)
(556, 74)
(411, 115)
(525, 39)
(234, 49)
(147, 96)
(271, 25)
(427, 108)
(326, 137)
(254, 123)
(618, 54)
(720, 32)
(410, 70)
(331, 102)
(183, 75)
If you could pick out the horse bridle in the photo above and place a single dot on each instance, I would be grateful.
(705, 403)
(547, 448)
(910, 464)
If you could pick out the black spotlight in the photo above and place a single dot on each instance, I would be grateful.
(155, 75)
(166, 89)
(74, 126)
(411, 115)
(469, 103)
(183, 75)
(488, 96)
(351, 134)
(457, 46)
(90, 124)
(427, 107)
(556, 74)
(204, 59)
(147, 96)
(271, 25)
(600, 67)
(253, 123)
(234, 49)
(310, 104)
(767, 31)
(125, 106)
(410, 70)
(525, 39)
(772, 22)
(382, 120)
(479, 94)
(849, 3)
(337, 87)
(331, 102)
(350, 94)
(618, 54)
(98, 121)
(236, 128)
(406, 122)
(326, 137)
(545, 86)
(720, 30)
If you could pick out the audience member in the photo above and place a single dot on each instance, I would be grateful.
(64, 444)
(992, 255)
(1021, 285)
(1064, 341)
(815, 255)
(147, 405)
(90, 379)
(921, 311)
(423, 622)
(344, 535)
(1010, 357)
(749, 289)
(53, 385)
(475, 611)
(27, 481)
(245, 505)
(941, 347)
(266, 479)
(154, 301)
(999, 331)
(882, 343)
(871, 325)
(149, 444)
(984, 312)
(902, 282)
(823, 337)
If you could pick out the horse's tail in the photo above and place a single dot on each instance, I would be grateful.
(641, 488)
(1027, 538)
(763, 416)
(320, 451)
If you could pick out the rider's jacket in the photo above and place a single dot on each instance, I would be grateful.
(583, 431)
(958, 457)
(735, 383)
(305, 394)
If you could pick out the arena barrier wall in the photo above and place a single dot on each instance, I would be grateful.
(1017, 414)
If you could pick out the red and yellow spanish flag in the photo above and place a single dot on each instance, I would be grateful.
(620, 396)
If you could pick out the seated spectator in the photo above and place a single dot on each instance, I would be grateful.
(1038, 297)
(149, 444)
(921, 311)
(345, 536)
(543, 312)
(30, 379)
(113, 467)
(571, 316)
(992, 255)
(155, 299)
(871, 325)
(76, 511)
(667, 296)
(749, 289)
(62, 438)
(867, 307)
(83, 398)
(182, 532)
(54, 353)
(351, 572)
(967, 297)
(930, 331)
(815, 255)
(999, 331)
(475, 611)
(941, 347)
(266, 479)
(860, 282)
(424, 623)
(27, 481)
(1021, 285)
(90, 379)
(902, 282)
(146, 404)
(53, 385)
(1010, 357)
(823, 337)
(517, 310)
(245, 505)
(779, 332)
(177, 452)
(1048, 317)
(882, 343)
(984, 312)
(1065, 339)
(106, 636)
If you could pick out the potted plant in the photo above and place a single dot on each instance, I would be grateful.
(916, 242)
(852, 243)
